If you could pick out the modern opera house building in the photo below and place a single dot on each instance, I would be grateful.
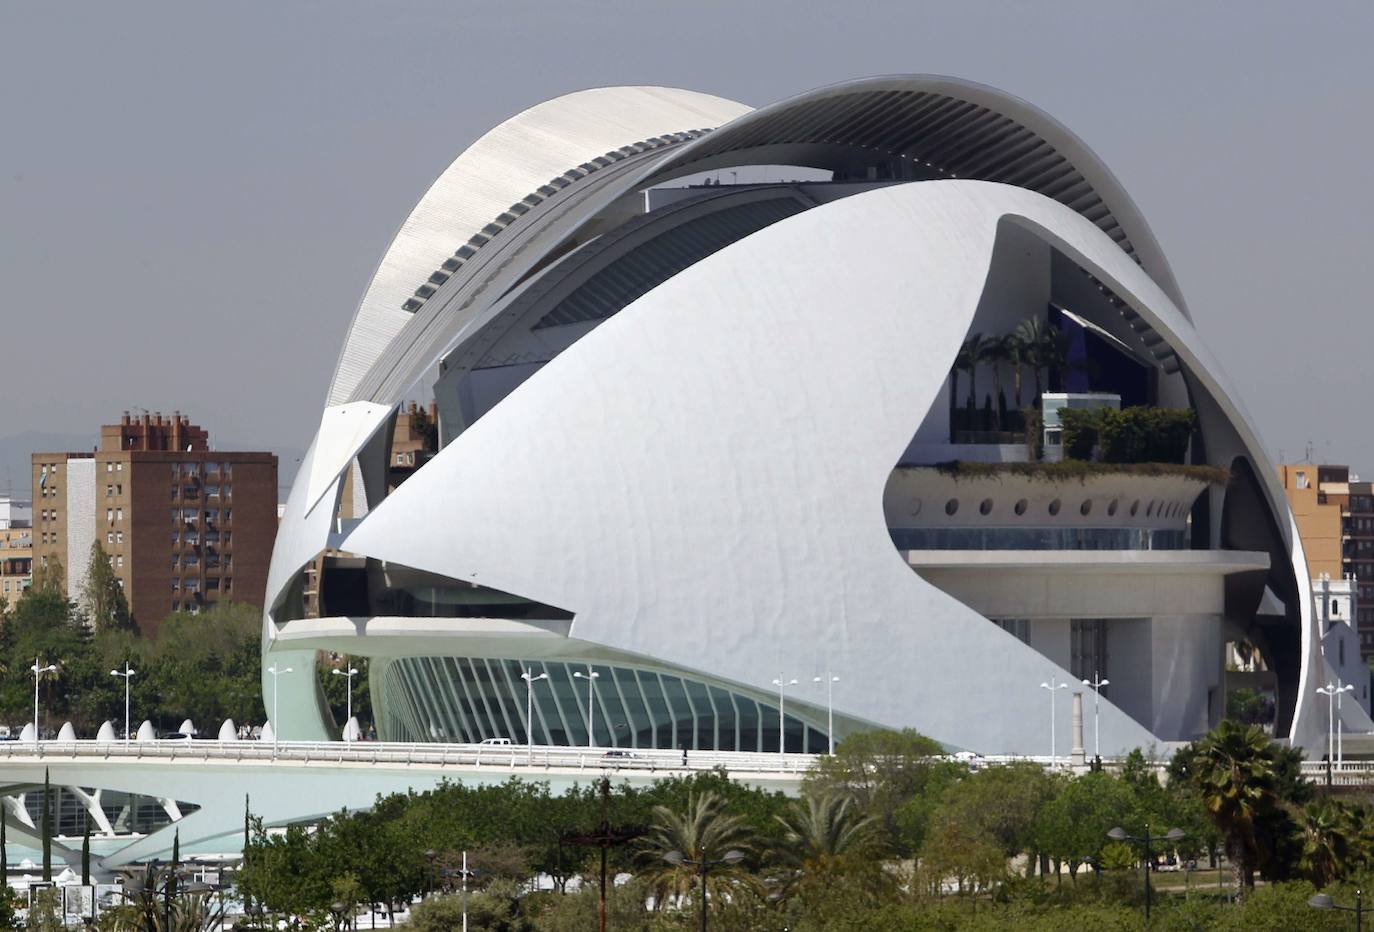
(734, 397)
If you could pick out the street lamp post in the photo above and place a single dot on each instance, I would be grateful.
(530, 680)
(677, 859)
(591, 676)
(1053, 686)
(276, 725)
(782, 725)
(1341, 689)
(1174, 835)
(1096, 684)
(830, 680)
(1324, 901)
(1331, 692)
(38, 670)
(348, 720)
(128, 674)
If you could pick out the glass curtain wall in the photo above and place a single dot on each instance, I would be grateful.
(461, 699)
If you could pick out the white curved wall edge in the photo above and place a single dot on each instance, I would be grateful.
(737, 524)
(344, 430)
(507, 163)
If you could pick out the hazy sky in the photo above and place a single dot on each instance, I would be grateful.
(193, 196)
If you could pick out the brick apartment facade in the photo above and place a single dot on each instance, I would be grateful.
(185, 526)
(1335, 517)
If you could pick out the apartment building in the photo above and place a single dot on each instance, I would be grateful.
(185, 525)
(16, 548)
(1334, 511)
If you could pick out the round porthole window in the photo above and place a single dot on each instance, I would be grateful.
(985, 507)
(1086, 508)
(1020, 507)
(1055, 506)
(951, 506)
(1135, 508)
(1111, 507)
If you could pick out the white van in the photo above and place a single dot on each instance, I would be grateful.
(495, 742)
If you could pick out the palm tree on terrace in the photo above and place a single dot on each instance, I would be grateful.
(703, 832)
(976, 348)
(962, 363)
(1031, 335)
(995, 353)
(1018, 355)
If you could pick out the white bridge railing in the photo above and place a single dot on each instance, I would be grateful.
(1347, 773)
(444, 755)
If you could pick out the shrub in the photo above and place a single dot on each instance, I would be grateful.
(1131, 435)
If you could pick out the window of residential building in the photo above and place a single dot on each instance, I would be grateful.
(109, 490)
(109, 514)
(212, 491)
(119, 514)
(175, 561)
(228, 515)
(109, 537)
(1302, 479)
(119, 537)
(119, 467)
(119, 561)
(176, 583)
(119, 488)
(109, 467)
(212, 584)
(54, 537)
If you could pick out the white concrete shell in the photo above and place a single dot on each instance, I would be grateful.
(512, 160)
(699, 481)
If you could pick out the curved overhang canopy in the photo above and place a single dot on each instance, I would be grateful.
(931, 126)
(504, 166)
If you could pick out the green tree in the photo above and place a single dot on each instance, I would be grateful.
(1031, 335)
(1233, 767)
(1325, 847)
(49, 578)
(102, 596)
(703, 832)
(1072, 827)
(884, 771)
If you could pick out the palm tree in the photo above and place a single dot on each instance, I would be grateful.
(1325, 846)
(819, 829)
(994, 353)
(1234, 768)
(701, 833)
(1031, 334)
(976, 347)
(963, 362)
(1018, 354)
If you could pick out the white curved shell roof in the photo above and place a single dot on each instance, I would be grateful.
(499, 169)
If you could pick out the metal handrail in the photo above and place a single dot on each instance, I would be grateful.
(514, 757)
